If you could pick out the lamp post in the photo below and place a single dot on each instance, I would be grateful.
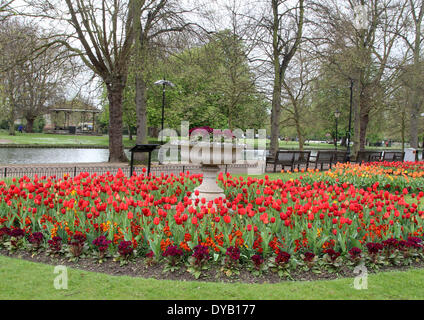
(422, 154)
(163, 83)
(350, 122)
(337, 115)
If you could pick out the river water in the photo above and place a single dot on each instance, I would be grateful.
(52, 155)
(65, 155)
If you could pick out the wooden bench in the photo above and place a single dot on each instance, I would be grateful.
(368, 156)
(339, 156)
(289, 158)
(393, 156)
(323, 157)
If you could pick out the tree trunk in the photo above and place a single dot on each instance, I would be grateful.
(116, 146)
(130, 135)
(276, 94)
(141, 109)
(403, 129)
(364, 120)
(12, 127)
(140, 47)
(299, 132)
(275, 117)
(30, 125)
(414, 128)
(416, 92)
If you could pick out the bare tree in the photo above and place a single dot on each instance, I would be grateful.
(416, 12)
(153, 20)
(46, 78)
(16, 41)
(101, 33)
(282, 24)
(297, 89)
(368, 49)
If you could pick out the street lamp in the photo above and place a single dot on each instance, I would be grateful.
(422, 156)
(350, 122)
(337, 115)
(163, 83)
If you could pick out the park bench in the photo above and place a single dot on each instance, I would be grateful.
(323, 157)
(301, 158)
(393, 156)
(368, 156)
(339, 156)
(289, 158)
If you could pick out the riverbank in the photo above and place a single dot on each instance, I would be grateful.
(44, 140)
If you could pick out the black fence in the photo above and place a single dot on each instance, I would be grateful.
(60, 171)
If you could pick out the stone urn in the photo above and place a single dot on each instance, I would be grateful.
(210, 155)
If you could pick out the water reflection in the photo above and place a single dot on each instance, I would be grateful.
(50, 155)
(64, 155)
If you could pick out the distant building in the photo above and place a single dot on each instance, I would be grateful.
(71, 117)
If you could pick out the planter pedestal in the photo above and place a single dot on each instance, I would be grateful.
(209, 189)
(210, 156)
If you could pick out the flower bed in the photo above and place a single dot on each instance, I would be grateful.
(392, 176)
(264, 225)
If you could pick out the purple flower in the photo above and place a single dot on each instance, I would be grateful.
(414, 242)
(282, 258)
(390, 243)
(172, 251)
(101, 243)
(17, 233)
(77, 239)
(77, 244)
(257, 260)
(332, 254)
(125, 248)
(201, 253)
(36, 238)
(374, 248)
(55, 244)
(402, 244)
(233, 253)
(309, 256)
(355, 253)
(4, 231)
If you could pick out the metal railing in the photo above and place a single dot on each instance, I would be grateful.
(60, 171)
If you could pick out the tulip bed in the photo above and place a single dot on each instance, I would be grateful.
(391, 176)
(263, 225)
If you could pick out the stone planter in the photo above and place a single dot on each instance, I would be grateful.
(210, 156)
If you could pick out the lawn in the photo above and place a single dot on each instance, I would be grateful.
(27, 280)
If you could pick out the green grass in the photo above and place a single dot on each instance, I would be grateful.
(27, 280)
(41, 139)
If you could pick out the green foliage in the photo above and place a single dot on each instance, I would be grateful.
(214, 87)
